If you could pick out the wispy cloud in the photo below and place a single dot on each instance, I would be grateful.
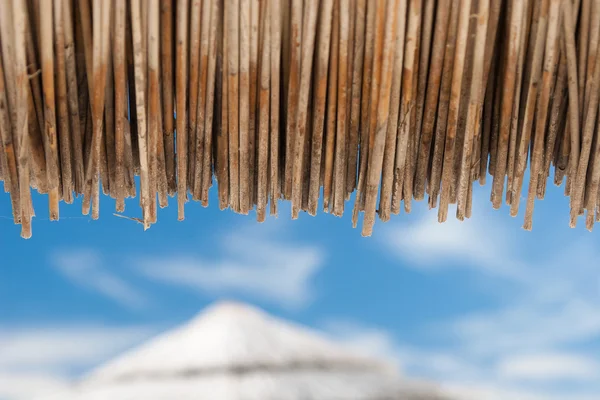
(25, 385)
(85, 268)
(471, 244)
(462, 376)
(550, 366)
(41, 359)
(530, 345)
(368, 340)
(250, 264)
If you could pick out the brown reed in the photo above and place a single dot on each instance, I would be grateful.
(391, 99)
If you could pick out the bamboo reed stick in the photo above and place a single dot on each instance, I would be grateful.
(332, 104)
(274, 133)
(166, 49)
(457, 76)
(473, 112)
(11, 178)
(431, 101)
(543, 104)
(443, 109)
(262, 186)
(140, 83)
(308, 45)
(20, 105)
(385, 201)
(392, 99)
(379, 134)
(210, 103)
(320, 94)
(181, 80)
(51, 139)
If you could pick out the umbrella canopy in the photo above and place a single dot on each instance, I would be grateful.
(233, 351)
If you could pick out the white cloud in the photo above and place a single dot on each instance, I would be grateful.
(468, 244)
(25, 386)
(85, 269)
(251, 264)
(38, 360)
(463, 377)
(475, 390)
(545, 367)
(365, 339)
(521, 327)
(531, 344)
(63, 347)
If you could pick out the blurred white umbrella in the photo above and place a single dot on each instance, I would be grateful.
(232, 351)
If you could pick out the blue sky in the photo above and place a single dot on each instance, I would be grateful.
(482, 307)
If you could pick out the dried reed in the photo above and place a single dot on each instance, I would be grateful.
(391, 99)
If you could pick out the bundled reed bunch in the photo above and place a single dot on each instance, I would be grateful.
(392, 99)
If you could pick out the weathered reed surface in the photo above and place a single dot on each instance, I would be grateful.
(391, 99)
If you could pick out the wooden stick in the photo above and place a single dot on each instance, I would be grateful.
(3, 168)
(11, 178)
(120, 102)
(51, 140)
(181, 81)
(254, 80)
(73, 98)
(426, 27)
(365, 105)
(244, 106)
(375, 30)
(592, 44)
(320, 96)
(198, 162)
(153, 101)
(355, 101)
(293, 94)
(571, 72)
(487, 125)
(584, 34)
(515, 32)
(223, 138)
(263, 121)
(474, 108)
(64, 133)
(308, 45)
(463, 109)
(407, 179)
(457, 75)
(586, 144)
(276, 31)
(343, 84)
(516, 120)
(532, 94)
(383, 103)
(194, 76)
(140, 84)
(543, 103)
(210, 103)
(433, 91)
(21, 83)
(161, 171)
(233, 58)
(443, 106)
(166, 49)
(594, 182)
(331, 111)
(36, 114)
(385, 202)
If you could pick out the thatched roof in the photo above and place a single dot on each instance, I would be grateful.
(233, 351)
(389, 99)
